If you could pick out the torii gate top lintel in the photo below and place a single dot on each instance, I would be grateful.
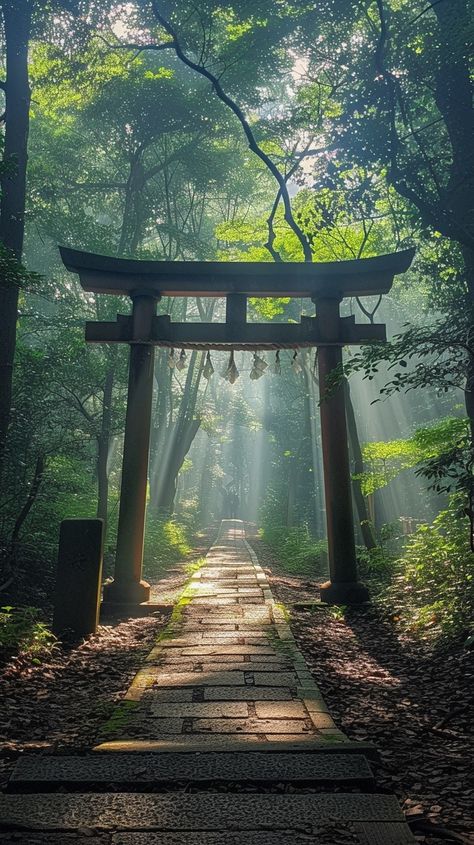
(122, 276)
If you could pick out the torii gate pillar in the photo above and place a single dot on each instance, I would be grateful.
(128, 586)
(343, 586)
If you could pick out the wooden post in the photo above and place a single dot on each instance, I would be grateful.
(127, 586)
(235, 315)
(343, 586)
(79, 577)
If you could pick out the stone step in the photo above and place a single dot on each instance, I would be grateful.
(325, 833)
(286, 816)
(200, 743)
(239, 767)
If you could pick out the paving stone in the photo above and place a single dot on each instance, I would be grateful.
(203, 812)
(247, 693)
(275, 679)
(262, 640)
(182, 642)
(298, 740)
(204, 709)
(226, 838)
(244, 666)
(270, 659)
(280, 710)
(214, 602)
(195, 679)
(62, 838)
(176, 665)
(227, 649)
(305, 692)
(315, 705)
(217, 658)
(160, 696)
(304, 676)
(215, 639)
(190, 743)
(321, 720)
(149, 768)
(251, 726)
(228, 635)
(257, 613)
(326, 833)
(332, 734)
(163, 726)
(200, 626)
(223, 665)
(384, 833)
(215, 617)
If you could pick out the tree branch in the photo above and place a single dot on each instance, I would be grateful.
(270, 220)
(167, 45)
(237, 111)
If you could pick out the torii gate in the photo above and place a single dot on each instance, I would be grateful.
(145, 282)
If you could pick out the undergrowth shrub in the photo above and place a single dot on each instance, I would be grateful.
(433, 584)
(166, 542)
(22, 631)
(375, 565)
(298, 552)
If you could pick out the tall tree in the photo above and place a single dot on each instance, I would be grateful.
(17, 18)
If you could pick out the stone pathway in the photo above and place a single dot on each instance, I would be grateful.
(227, 671)
(225, 701)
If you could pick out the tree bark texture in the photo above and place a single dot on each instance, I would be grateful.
(17, 23)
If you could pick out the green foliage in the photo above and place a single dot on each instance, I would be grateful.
(166, 542)
(267, 309)
(195, 566)
(375, 565)
(437, 451)
(433, 586)
(298, 552)
(13, 273)
(23, 631)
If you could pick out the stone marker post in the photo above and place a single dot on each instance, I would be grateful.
(79, 577)
(343, 586)
(127, 586)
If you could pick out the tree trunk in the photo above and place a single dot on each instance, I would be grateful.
(132, 217)
(10, 562)
(355, 450)
(17, 22)
(176, 444)
(183, 436)
(103, 440)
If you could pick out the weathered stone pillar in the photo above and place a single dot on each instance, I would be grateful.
(78, 577)
(127, 586)
(343, 586)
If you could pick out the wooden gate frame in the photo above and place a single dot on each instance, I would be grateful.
(146, 282)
